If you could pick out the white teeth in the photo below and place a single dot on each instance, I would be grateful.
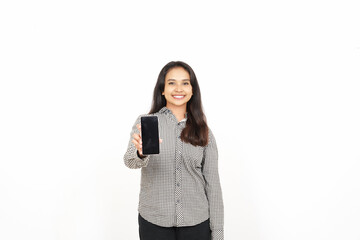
(178, 96)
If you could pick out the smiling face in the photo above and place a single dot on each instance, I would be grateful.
(178, 89)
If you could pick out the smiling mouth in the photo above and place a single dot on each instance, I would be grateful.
(178, 96)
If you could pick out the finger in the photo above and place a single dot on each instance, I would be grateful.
(137, 145)
(160, 140)
(137, 137)
(139, 128)
(140, 150)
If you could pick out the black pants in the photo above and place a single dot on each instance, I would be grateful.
(149, 231)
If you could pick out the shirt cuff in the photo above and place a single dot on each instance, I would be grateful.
(217, 234)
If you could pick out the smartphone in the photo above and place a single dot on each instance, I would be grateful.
(150, 135)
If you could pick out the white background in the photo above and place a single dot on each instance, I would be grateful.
(280, 88)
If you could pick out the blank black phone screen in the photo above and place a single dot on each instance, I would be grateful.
(150, 135)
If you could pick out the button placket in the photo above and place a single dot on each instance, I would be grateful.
(178, 194)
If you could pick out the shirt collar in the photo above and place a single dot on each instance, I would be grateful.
(168, 111)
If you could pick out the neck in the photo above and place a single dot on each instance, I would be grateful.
(178, 111)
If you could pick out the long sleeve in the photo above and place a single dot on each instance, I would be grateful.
(213, 189)
(131, 157)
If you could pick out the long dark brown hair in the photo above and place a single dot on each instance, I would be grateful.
(196, 130)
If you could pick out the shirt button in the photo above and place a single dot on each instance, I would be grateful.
(178, 201)
(178, 184)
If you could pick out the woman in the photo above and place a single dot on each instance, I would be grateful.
(180, 195)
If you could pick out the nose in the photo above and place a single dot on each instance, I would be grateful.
(178, 88)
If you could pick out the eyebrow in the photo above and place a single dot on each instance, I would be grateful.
(175, 80)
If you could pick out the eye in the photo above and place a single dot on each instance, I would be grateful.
(171, 83)
(186, 83)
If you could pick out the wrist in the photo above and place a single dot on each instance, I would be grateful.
(140, 155)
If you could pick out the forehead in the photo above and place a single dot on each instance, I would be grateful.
(177, 73)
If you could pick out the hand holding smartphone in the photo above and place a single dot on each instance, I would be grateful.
(138, 141)
(150, 135)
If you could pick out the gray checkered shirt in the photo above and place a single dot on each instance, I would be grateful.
(181, 185)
